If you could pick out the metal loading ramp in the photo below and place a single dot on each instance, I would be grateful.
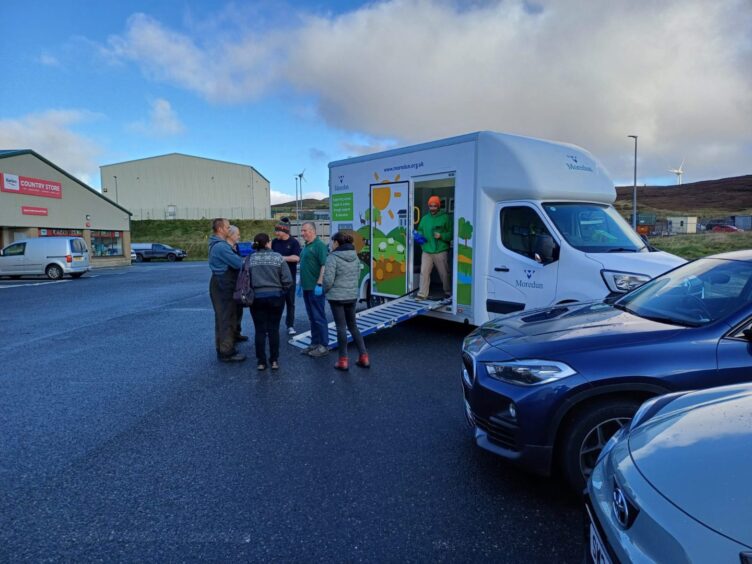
(375, 319)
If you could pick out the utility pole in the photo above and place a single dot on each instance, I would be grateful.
(634, 187)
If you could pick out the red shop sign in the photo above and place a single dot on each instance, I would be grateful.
(31, 210)
(14, 184)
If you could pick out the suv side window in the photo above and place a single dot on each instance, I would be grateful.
(15, 250)
(519, 226)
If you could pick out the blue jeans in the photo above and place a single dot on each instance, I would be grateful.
(315, 309)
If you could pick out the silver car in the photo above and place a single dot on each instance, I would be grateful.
(676, 485)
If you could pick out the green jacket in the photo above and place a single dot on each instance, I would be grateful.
(430, 224)
(312, 258)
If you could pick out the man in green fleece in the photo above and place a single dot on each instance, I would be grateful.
(436, 228)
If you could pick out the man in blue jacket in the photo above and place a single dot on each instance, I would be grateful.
(225, 265)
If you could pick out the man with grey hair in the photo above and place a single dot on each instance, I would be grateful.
(233, 238)
(312, 261)
(225, 265)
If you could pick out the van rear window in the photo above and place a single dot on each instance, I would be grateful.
(77, 246)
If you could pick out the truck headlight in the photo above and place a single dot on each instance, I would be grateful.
(528, 372)
(623, 282)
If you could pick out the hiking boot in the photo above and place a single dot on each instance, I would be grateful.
(363, 361)
(237, 357)
(342, 363)
(318, 351)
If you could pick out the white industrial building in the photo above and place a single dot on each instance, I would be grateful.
(178, 186)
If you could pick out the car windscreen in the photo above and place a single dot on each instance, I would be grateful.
(695, 294)
(594, 228)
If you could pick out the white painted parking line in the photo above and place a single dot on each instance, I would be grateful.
(34, 284)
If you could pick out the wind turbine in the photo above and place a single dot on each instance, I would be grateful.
(299, 178)
(678, 172)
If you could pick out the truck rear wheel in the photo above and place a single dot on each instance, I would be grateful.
(54, 272)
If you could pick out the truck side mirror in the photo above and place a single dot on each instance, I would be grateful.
(545, 248)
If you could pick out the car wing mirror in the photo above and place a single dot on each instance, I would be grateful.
(545, 248)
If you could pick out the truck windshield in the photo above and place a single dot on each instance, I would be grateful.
(594, 228)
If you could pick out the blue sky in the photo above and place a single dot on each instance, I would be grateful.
(287, 86)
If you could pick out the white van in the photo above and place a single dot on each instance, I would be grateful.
(533, 223)
(51, 256)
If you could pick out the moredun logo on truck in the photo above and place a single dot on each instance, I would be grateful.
(528, 283)
(575, 165)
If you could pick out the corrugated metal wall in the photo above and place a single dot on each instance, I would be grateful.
(184, 187)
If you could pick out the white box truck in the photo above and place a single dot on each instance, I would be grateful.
(533, 223)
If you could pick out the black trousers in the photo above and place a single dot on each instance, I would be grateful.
(238, 319)
(344, 319)
(266, 314)
(290, 305)
(221, 288)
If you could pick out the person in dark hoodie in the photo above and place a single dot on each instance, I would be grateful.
(270, 279)
(225, 265)
(341, 276)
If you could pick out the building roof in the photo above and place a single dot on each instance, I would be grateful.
(4, 153)
(190, 157)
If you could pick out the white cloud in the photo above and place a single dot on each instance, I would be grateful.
(677, 73)
(48, 60)
(51, 135)
(219, 70)
(280, 197)
(163, 121)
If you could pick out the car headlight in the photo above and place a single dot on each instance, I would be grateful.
(528, 372)
(623, 282)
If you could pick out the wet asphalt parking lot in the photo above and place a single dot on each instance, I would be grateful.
(123, 439)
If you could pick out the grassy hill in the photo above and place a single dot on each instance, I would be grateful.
(192, 235)
(308, 204)
(707, 199)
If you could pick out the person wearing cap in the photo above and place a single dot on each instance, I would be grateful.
(289, 248)
(436, 228)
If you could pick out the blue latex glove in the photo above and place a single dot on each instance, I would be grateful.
(318, 291)
(299, 290)
(418, 237)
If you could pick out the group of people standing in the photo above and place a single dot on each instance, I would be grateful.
(273, 269)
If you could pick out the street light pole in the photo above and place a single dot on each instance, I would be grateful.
(634, 187)
(116, 193)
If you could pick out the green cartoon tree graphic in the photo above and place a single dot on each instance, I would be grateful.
(464, 230)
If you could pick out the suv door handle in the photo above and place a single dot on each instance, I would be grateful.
(502, 269)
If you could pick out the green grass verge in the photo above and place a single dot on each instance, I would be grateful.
(193, 235)
(703, 244)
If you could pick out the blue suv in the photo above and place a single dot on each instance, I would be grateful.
(547, 388)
